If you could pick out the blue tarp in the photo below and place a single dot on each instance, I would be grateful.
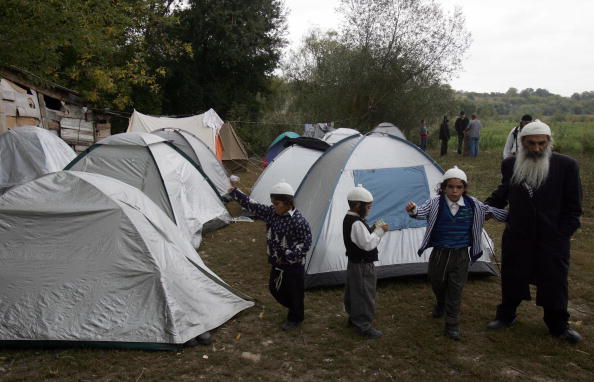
(392, 189)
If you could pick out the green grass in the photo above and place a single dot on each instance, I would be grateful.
(412, 349)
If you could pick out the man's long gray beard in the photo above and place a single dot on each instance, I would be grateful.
(530, 169)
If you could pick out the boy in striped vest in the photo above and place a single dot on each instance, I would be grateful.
(454, 229)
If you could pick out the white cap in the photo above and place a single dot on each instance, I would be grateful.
(359, 194)
(455, 173)
(282, 188)
(537, 127)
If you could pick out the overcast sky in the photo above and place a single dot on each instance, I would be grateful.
(515, 43)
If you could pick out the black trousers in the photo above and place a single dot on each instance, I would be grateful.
(444, 147)
(555, 319)
(287, 287)
(448, 271)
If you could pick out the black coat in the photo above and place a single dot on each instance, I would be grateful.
(535, 244)
(444, 131)
(461, 125)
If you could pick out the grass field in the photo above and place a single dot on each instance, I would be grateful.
(323, 349)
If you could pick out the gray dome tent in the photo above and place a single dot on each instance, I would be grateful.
(85, 258)
(28, 152)
(163, 173)
(199, 152)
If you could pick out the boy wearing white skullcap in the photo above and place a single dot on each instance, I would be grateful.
(361, 243)
(454, 227)
(288, 240)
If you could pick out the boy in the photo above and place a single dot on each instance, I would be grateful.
(454, 228)
(288, 240)
(361, 243)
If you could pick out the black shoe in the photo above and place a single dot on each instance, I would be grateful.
(570, 336)
(438, 311)
(452, 331)
(499, 324)
(289, 325)
(350, 324)
(371, 333)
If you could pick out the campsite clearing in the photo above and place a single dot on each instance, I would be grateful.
(323, 349)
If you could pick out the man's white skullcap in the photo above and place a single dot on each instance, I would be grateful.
(282, 188)
(454, 173)
(535, 128)
(359, 194)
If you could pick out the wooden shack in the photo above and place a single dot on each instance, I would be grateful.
(62, 111)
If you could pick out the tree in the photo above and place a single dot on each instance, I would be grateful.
(388, 62)
(97, 47)
(235, 46)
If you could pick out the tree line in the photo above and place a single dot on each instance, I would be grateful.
(389, 60)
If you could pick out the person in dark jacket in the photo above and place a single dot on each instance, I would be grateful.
(543, 191)
(361, 243)
(288, 240)
(460, 126)
(444, 135)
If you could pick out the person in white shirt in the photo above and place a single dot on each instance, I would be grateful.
(511, 144)
(361, 241)
(454, 227)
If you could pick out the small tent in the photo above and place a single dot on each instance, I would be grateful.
(277, 145)
(289, 166)
(198, 152)
(339, 134)
(208, 127)
(158, 168)
(28, 152)
(396, 172)
(85, 258)
(389, 128)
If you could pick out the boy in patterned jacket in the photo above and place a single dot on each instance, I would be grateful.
(454, 230)
(288, 240)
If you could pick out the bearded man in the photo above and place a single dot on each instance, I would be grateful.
(543, 191)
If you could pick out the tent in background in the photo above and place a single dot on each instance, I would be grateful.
(277, 145)
(220, 137)
(389, 128)
(156, 167)
(339, 134)
(198, 152)
(289, 166)
(28, 152)
(85, 258)
(396, 172)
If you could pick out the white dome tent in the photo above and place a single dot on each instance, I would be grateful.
(396, 172)
(157, 168)
(199, 152)
(87, 259)
(338, 135)
(389, 128)
(28, 152)
(289, 166)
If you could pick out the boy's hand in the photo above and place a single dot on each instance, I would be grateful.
(384, 227)
(410, 206)
(230, 190)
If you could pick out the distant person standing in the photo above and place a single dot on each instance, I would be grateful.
(474, 134)
(511, 145)
(461, 125)
(444, 135)
(424, 133)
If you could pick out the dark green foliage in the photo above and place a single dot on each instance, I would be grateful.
(235, 46)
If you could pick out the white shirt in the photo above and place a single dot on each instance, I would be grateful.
(362, 238)
(511, 145)
(455, 206)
